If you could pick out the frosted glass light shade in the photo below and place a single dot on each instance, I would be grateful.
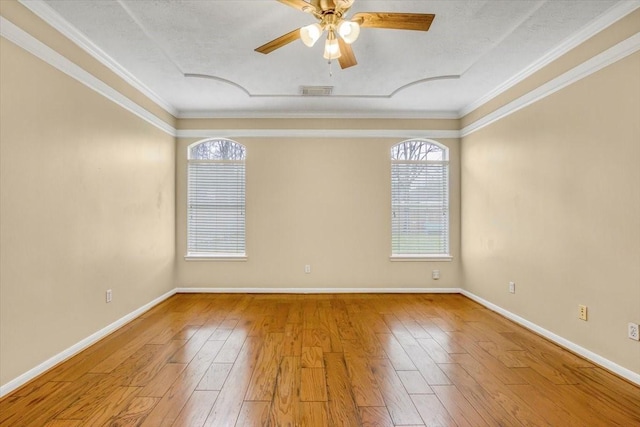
(331, 48)
(349, 31)
(310, 34)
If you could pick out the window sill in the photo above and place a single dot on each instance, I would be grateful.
(217, 257)
(421, 258)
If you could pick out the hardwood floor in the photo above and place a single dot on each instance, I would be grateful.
(323, 360)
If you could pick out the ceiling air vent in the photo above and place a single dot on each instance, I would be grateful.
(316, 90)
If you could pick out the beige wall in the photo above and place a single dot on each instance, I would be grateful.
(551, 200)
(323, 202)
(87, 204)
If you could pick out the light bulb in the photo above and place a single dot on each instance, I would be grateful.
(331, 47)
(310, 34)
(349, 31)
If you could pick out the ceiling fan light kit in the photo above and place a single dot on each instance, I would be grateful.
(341, 32)
(310, 34)
(331, 48)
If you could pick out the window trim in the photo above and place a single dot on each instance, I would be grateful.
(445, 257)
(203, 256)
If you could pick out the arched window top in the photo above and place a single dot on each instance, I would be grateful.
(217, 149)
(419, 150)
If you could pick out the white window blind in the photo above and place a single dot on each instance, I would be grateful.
(216, 199)
(419, 199)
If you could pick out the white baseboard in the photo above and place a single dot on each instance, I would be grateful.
(78, 347)
(318, 290)
(628, 374)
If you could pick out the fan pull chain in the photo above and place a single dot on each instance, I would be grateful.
(330, 71)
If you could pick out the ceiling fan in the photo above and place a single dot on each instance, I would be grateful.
(341, 32)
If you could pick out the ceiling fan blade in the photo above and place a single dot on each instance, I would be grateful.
(396, 21)
(279, 42)
(300, 5)
(347, 59)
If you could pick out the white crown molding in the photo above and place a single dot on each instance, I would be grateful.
(213, 290)
(50, 16)
(422, 115)
(563, 342)
(78, 347)
(29, 43)
(612, 16)
(317, 133)
(597, 63)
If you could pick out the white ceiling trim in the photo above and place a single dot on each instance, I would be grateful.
(297, 95)
(451, 115)
(318, 133)
(615, 14)
(18, 36)
(51, 17)
(597, 63)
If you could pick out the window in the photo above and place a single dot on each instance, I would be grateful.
(419, 200)
(216, 199)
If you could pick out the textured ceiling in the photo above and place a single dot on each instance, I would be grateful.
(472, 48)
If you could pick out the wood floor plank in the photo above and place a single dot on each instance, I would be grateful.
(564, 396)
(434, 350)
(341, 404)
(462, 412)
(487, 405)
(215, 376)
(232, 346)
(311, 357)
(229, 402)
(414, 383)
(618, 393)
(180, 391)
(150, 366)
(84, 404)
(66, 398)
(317, 337)
(490, 363)
(503, 395)
(313, 386)
(192, 346)
(254, 414)
(114, 403)
(64, 423)
(313, 414)
(292, 345)
(263, 381)
(323, 360)
(375, 416)
(164, 378)
(363, 381)
(135, 412)
(195, 412)
(28, 411)
(423, 363)
(396, 354)
(396, 398)
(432, 411)
(552, 413)
(285, 407)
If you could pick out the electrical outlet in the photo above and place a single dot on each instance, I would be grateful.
(582, 314)
(307, 269)
(633, 332)
(109, 295)
(512, 287)
(435, 274)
